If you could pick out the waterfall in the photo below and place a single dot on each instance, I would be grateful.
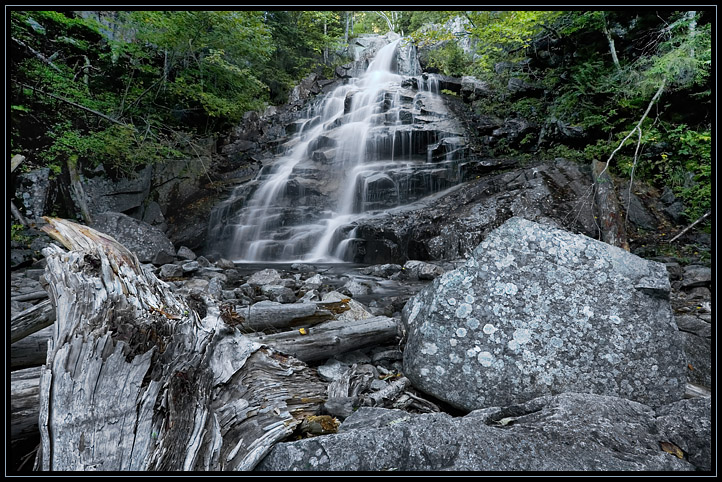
(380, 141)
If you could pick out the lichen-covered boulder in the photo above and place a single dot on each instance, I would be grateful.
(566, 432)
(538, 311)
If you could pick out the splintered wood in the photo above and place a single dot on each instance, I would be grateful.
(136, 380)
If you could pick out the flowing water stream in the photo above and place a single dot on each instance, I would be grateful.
(377, 142)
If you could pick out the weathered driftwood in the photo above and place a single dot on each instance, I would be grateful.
(355, 381)
(35, 295)
(32, 350)
(392, 391)
(331, 338)
(31, 320)
(270, 315)
(609, 212)
(24, 408)
(134, 379)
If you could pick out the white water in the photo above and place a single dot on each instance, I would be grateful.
(374, 162)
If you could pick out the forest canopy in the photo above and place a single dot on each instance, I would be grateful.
(125, 88)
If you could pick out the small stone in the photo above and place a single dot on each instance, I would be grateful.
(203, 262)
(190, 267)
(186, 253)
(332, 370)
(225, 263)
(171, 271)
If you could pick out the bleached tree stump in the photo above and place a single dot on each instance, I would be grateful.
(134, 380)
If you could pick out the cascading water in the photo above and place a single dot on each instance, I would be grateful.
(377, 142)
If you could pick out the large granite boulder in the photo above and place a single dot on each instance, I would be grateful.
(567, 432)
(538, 311)
(141, 238)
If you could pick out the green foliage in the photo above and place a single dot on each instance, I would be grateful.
(449, 59)
(18, 234)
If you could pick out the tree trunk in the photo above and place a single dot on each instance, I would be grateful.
(609, 212)
(76, 189)
(332, 337)
(134, 380)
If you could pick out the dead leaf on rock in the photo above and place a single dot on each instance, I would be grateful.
(671, 448)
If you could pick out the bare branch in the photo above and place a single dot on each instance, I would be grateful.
(701, 218)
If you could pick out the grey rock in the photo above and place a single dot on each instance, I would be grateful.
(357, 287)
(687, 424)
(190, 266)
(332, 370)
(203, 262)
(266, 277)
(421, 270)
(303, 268)
(171, 271)
(34, 193)
(186, 253)
(695, 275)
(567, 432)
(141, 238)
(341, 407)
(539, 311)
(381, 270)
(453, 225)
(225, 263)
(694, 325)
(699, 359)
(215, 288)
(126, 194)
(314, 282)
(636, 211)
(675, 211)
(278, 293)
(667, 196)
(154, 215)
(163, 257)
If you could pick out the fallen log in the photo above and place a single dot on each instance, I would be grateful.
(24, 409)
(609, 212)
(331, 338)
(31, 320)
(272, 316)
(35, 295)
(136, 380)
(32, 350)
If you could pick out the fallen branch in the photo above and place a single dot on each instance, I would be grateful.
(37, 54)
(18, 215)
(332, 338)
(74, 104)
(35, 295)
(701, 218)
(15, 162)
(31, 320)
(32, 350)
(24, 410)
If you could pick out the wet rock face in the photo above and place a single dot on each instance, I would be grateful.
(538, 311)
(452, 226)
